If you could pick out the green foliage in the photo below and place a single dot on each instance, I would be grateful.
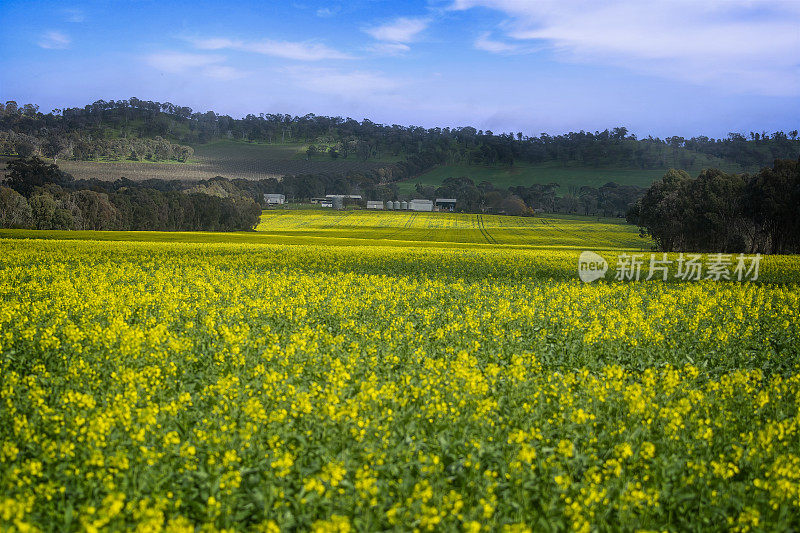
(724, 212)
(25, 174)
(15, 211)
(55, 201)
(573, 175)
(81, 146)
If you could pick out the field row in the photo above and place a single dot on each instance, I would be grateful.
(549, 232)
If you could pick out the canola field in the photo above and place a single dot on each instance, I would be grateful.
(549, 232)
(185, 386)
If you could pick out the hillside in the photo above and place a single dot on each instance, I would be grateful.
(250, 160)
(570, 176)
(254, 161)
(278, 145)
(231, 159)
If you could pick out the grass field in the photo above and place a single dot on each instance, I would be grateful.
(389, 372)
(258, 161)
(237, 150)
(567, 177)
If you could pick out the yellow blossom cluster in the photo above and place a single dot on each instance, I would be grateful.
(178, 386)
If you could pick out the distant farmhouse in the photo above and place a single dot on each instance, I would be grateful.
(274, 199)
(340, 201)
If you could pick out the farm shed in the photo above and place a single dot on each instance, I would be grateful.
(374, 204)
(420, 205)
(344, 196)
(445, 204)
(274, 199)
(341, 200)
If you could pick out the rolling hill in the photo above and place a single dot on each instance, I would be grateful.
(569, 176)
(140, 139)
(254, 161)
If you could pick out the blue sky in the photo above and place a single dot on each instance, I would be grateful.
(662, 68)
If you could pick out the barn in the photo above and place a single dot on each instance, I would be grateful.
(445, 204)
(420, 205)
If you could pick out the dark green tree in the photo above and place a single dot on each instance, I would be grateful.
(25, 174)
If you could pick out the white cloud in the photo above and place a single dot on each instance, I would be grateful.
(223, 72)
(401, 30)
(326, 12)
(298, 51)
(738, 45)
(54, 40)
(214, 43)
(390, 49)
(484, 42)
(345, 84)
(202, 64)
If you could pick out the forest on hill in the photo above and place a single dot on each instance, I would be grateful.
(138, 129)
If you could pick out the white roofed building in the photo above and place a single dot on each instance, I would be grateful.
(274, 199)
(420, 205)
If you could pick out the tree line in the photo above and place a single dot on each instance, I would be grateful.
(40, 195)
(37, 195)
(346, 137)
(83, 146)
(609, 200)
(720, 212)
